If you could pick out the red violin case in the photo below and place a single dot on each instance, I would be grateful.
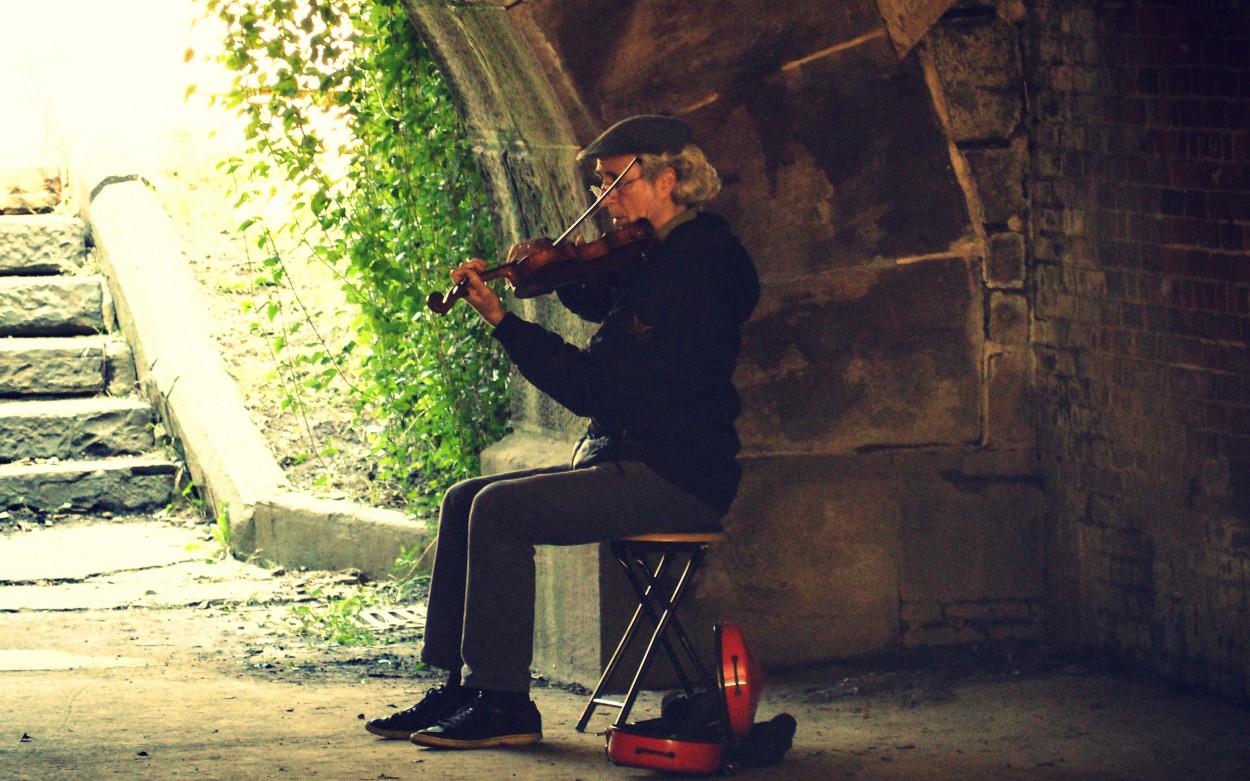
(694, 733)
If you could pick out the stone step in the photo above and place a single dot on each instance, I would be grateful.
(52, 366)
(29, 183)
(51, 306)
(36, 244)
(113, 484)
(92, 427)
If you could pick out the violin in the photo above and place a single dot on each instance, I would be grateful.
(535, 267)
(539, 266)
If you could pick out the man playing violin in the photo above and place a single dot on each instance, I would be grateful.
(659, 454)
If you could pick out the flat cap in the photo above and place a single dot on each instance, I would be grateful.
(642, 134)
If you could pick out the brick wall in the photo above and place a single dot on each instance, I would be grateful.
(1140, 281)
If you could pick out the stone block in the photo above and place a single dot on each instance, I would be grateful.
(1009, 320)
(51, 306)
(116, 485)
(979, 68)
(942, 635)
(29, 187)
(918, 614)
(120, 376)
(1009, 408)
(864, 358)
(74, 428)
(525, 450)
(971, 622)
(1005, 263)
(51, 366)
(299, 530)
(989, 611)
(967, 538)
(999, 462)
(811, 566)
(573, 633)
(836, 170)
(999, 176)
(1015, 631)
(161, 308)
(645, 64)
(41, 244)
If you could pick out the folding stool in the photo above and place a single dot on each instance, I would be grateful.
(648, 559)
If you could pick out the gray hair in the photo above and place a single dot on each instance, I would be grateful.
(697, 180)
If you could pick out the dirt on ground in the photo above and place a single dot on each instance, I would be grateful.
(217, 692)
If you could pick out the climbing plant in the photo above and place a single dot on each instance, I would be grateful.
(343, 100)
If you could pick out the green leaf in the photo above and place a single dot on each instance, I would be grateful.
(411, 200)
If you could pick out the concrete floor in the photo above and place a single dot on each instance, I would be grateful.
(161, 670)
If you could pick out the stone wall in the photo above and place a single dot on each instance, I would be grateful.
(975, 560)
(1139, 232)
(890, 495)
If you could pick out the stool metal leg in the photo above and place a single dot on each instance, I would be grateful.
(622, 554)
(596, 697)
(669, 604)
(667, 618)
(646, 583)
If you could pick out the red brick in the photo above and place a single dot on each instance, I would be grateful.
(1185, 174)
(1239, 151)
(1219, 205)
(1158, 170)
(1215, 53)
(1236, 55)
(1233, 418)
(1214, 81)
(1232, 237)
(1239, 300)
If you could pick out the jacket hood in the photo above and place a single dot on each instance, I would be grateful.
(734, 274)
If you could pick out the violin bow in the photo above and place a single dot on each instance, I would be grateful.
(594, 207)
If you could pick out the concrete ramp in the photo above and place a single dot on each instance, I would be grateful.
(122, 565)
(80, 552)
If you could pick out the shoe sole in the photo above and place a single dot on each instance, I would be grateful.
(389, 734)
(437, 741)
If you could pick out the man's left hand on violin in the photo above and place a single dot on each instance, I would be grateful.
(484, 300)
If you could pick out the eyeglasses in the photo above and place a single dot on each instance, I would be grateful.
(597, 190)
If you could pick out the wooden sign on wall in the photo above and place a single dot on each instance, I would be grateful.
(908, 20)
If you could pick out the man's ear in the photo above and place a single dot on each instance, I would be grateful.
(667, 181)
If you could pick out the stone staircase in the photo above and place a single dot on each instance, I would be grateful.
(74, 435)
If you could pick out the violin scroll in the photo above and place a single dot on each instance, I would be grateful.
(441, 303)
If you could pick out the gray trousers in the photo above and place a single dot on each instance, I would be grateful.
(481, 603)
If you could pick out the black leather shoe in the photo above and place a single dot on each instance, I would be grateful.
(438, 704)
(490, 720)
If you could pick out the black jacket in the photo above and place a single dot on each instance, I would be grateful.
(656, 380)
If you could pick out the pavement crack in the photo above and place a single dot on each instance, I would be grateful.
(87, 580)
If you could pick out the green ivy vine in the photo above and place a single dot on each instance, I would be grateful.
(391, 205)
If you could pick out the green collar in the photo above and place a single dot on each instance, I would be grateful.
(682, 218)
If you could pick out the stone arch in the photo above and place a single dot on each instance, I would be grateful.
(878, 464)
